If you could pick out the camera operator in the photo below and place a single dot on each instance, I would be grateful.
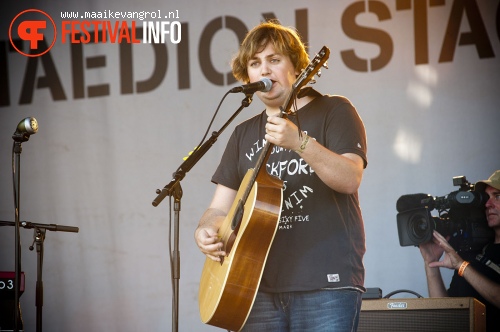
(477, 274)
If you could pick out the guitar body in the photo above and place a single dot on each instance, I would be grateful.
(228, 289)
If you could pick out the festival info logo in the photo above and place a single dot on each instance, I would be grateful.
(37, 29)
(34, 27)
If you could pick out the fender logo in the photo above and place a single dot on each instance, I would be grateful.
(397, 305)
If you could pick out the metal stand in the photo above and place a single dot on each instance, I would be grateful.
(174, 189)
(176, 258)
(17, 189)
(39, 237)
(38, 240)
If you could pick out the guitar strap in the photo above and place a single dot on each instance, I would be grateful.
(486, 261)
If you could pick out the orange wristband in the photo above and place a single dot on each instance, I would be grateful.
(461, 270)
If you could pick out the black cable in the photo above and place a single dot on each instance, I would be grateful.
(402, 291)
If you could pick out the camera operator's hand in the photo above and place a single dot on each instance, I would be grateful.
(431, 252)
(451, 258)
(489, 289)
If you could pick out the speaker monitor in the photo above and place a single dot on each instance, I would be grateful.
(422, 314)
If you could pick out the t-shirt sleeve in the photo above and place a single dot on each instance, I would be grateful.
(227, 173)
(347, 130)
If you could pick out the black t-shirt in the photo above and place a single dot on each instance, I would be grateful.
(459, 287)
(320, 240)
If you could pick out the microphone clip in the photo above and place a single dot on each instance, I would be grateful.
(21, 137)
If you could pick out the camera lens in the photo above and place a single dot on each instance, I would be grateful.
(419, 227)
(415, 226)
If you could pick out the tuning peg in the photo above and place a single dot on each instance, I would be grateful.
(325, 65)
(319, 73)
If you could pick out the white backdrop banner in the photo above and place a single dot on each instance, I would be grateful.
(124, 90)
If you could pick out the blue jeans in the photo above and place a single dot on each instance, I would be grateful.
(326, 310)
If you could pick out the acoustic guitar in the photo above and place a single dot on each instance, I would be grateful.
(228, 288)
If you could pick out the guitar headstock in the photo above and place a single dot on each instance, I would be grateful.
(313, 68)
(305, 77)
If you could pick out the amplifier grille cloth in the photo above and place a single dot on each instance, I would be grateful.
(452, 320)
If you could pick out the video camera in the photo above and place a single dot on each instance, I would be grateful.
(461, 216)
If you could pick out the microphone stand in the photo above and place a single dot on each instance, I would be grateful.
(18, 139)
(38, 238)
(173, 188)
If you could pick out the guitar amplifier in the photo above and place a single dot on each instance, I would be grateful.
(459, 314)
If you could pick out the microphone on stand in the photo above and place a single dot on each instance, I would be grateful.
(24, 129)
(28, 126)
(264, 85)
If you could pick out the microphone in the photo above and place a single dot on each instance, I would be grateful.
(265, 84)
(28, 126)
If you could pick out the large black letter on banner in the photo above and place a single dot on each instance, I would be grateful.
(50, 80)
(210, 30)
(379, 37)
(477, 36)
(127, 67)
